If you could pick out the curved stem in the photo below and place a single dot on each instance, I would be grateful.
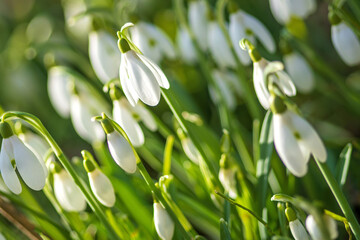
(340, 198)
(36, 123)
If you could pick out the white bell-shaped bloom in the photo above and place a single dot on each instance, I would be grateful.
(243, 25)
(298, 230)
(68, 193)
(227, 179)
(124, 117)
(81, 114)
(25, 161)
(314, 229)
(145, 116)
(152, 41)
(141, 78)
(190, 150)
(79, 27)
(38, 146)
(185, 46)
(198, 21)
(228, 85)
(104, 55)
(102, 187)
(295, 139)
(58, 91)
(281, 78)
(121, 152)
(283, 10)
(300, 72)
(218, 46)
(164, 225)
(346, 43)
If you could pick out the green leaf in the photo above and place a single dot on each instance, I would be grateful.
(343, 165)
(224, 230)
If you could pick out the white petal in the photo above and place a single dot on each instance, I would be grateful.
(145, 116)
(280, 10)
(237, 32)
(286, 83)
(121, 152)
(227, 179)
(313, 228)
(102, 188)
(155, 69)
(68, 193)
(309, 137)
(198, 22)
(7, 171)
(28, 165)
(298, 230)
(261, 90)
(164, 225)
(330, 224)
(186, 47)
(104, 55)
(287, 146)
(124, 118)
(81, 119)
(302, 8)
(260, 31)
(224, 88)
(300, 72)
(129, 92)
(58, 91)
(142, 80)
(190, 150)
(218, 46)
(346, 43)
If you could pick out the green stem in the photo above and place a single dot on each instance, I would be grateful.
(340, 198)
(36, 123)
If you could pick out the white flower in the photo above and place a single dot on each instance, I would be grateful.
(121, 151)
(197, 15)
(283, 10)
(79, 27)
(300, 72)
(295, 139)
(218, 46)
(281, 79)
(145, 116)
(243, 25)
(190, 150)
(228, 85)
(102, 187)
(314, 229)
(227, 179)
(186, 47)
(346, 43)
(81, 113)
(140, 77)
(15, 155)
(152, 41)
(68, 193)
(298, 230)
(104, 55)
(164, 225)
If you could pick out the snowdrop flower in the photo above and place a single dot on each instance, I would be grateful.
(227, 176)
(15, 155)
(81, 114)
(243, 25)
(283, 10)
(119, 148)
(295, 139)
(152, 41)
(140, 77)
(198, 21)
(164, 225)
(281, 78)
(104, 55)
(228, 85)
(67, 192)
(185, 46)
(218, 46)
(297, 229)
(299, 71)
(100, 184)
(314, 229)
(189, 148)
(345, 41)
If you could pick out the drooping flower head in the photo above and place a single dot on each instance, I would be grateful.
(297, 229)
(198, 21)
(284, 10)
(314, 228)
(164, 225)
